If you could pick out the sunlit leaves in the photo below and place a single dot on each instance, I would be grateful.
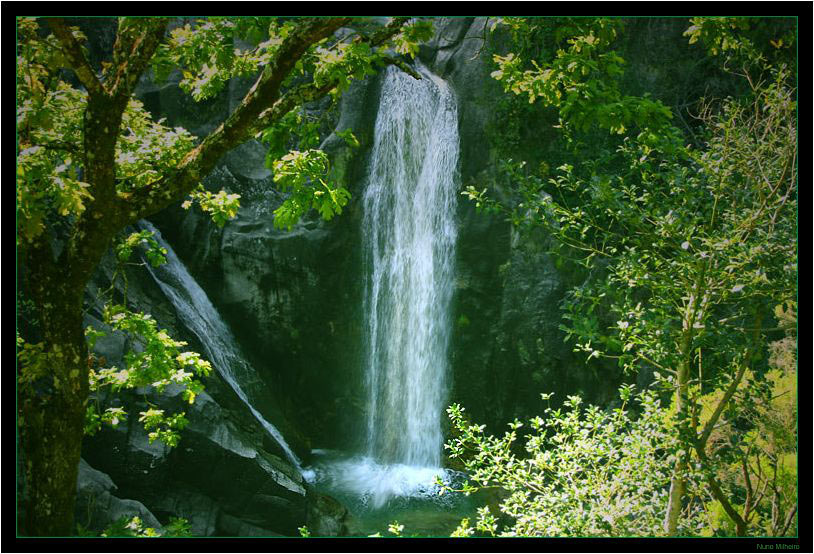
(156, 254)
(208, 52)
(395, 528)
(295, 127)
(688, 249)
(349, 138)
(34, 362)
(158, 361)
(38, 59)
(341, 63)
(408, 40)
(584, 471)
(581, 81)
(147, 150)
(303, 175)
(221, 206)
(49, 161)
(134, 527)
(164, 428)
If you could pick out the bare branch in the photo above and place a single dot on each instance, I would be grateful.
(789, 520)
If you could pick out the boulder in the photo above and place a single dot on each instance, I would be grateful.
(97, 507)
(326, 516)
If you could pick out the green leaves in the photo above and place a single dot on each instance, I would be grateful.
(407, 41)
(157, 361)
(688, 249)
(341, 63)
(584, 472)
(295, 127)
(302, 175)
(49, 161)
(34, 363)
(155, 253)
(222, 206)
(134, 527)
(581, 81)
(208, 54)
(163, 428)
(147, 150)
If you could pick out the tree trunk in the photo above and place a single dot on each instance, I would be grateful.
(678, 483)
(52, 412)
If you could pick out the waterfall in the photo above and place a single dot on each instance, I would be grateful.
(201, 317)
(409, 245)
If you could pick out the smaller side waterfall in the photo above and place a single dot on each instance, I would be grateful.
(200, 316)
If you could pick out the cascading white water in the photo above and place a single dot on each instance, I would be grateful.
(409, 243)
(201, 317)
(409, 246)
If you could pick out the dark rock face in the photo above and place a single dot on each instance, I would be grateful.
(506, 343)
(96, 505)
(291, 297)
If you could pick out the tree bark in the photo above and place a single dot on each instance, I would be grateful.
(678, 483)
(52, 412)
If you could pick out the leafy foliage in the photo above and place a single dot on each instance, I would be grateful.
(147, 150)
(134, 527)
(581, 81)
(49, 166)
(754, 41)
(50, 160)
(408, 41)
(155, 253)
(222, 206)
(303, 175)
(755, 442)
(91, 161)
(207, 54)
(584, 471)
(689, 249)
(158, 362)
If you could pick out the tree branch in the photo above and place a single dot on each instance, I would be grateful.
(388, 31)
(789, 520)
(134, 47)
(401, 64)
(262, 106)
(719, 408)
(237, 127)
(308, 92)
(136, 42)
(73, 52)
(732, 388)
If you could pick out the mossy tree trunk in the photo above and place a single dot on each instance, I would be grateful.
(51, 424)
